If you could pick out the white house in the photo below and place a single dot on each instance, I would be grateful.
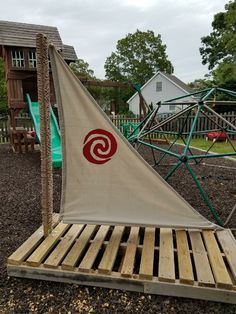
(161, 87)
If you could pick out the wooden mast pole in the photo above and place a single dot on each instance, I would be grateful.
(45, 132)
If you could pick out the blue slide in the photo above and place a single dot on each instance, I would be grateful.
(55, 132)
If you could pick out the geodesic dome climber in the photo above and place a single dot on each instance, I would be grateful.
(185, 125)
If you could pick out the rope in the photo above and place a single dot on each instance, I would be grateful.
(45, 132)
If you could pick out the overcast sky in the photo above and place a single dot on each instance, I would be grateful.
(94, 27)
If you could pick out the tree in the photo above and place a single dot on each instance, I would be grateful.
(219, 48)
(137, 58)
(81, 69)
(225, 75)
(3, 88)
(199, 84)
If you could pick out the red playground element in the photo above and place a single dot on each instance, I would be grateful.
(220, 136)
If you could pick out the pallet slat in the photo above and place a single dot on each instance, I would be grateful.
(166, 268)
(147, 258)
(129, 259)
(228, 245)
(43, 249)
(184, 259)
(220, 272)
(89, 258)
(110, 253)
(30, 244)
(63, 247)
(71, 253)
(78, 248)
(202, 265)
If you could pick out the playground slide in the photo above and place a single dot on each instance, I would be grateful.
(55, 132)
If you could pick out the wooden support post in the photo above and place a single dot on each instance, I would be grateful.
(45, 132)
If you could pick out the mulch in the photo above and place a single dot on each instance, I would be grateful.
(20, 217)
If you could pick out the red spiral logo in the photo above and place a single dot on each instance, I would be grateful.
(99, 146)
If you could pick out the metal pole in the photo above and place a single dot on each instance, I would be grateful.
(173, 117)
(220, 117)
(227, 91)
(187, 95)
(212, 120)
(132, 136)
(153, 154)
(230, 215)
(158, 148)
(203, 194)
(179, 134)
(192, 129)
(45, 132)
(168, 149)
(172, 170)
(212, 155)
(190, 151)
(212, 90)
(148, 120)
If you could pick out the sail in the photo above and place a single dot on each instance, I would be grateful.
(104, 180)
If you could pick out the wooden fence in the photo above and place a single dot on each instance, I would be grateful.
(121, 121)
(4, 129)
(204, 123)
(181, 124)
(22, 119)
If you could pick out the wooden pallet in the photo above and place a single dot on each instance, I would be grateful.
(186, 263)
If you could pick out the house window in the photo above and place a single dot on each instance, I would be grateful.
(17, 57)
(32, 59)
(158, 86)
(172, 107)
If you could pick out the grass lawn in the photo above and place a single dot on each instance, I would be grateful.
(218, 147)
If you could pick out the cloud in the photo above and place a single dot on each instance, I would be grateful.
(94, 27)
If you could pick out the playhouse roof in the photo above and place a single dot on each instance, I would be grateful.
(69, 53)
(24, 35)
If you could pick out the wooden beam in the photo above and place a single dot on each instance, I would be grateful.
(129, 259)
(115, 281)
(166, 269)
(89, 83)
(218, 266)
(147, 258)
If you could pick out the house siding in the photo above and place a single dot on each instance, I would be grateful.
(169, 90)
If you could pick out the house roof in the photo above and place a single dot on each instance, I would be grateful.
(69, 53)
(178, 82)
(24, 35)
(169, 77)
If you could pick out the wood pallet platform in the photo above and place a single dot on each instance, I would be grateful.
(185, 263)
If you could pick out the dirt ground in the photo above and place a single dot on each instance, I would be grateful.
(20, 216)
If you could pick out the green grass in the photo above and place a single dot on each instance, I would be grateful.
(218, 147)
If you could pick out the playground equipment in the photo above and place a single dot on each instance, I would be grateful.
(145, 110)
(21, 139)
(55, 132)
(123, 225)
(220, 126)
(217, 136)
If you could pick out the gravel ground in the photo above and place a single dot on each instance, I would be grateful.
(20, 216)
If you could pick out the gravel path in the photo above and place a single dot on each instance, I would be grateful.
(20, 216)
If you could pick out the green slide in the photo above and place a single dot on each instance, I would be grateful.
(55, 132)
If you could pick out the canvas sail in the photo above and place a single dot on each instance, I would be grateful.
(105, 181)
